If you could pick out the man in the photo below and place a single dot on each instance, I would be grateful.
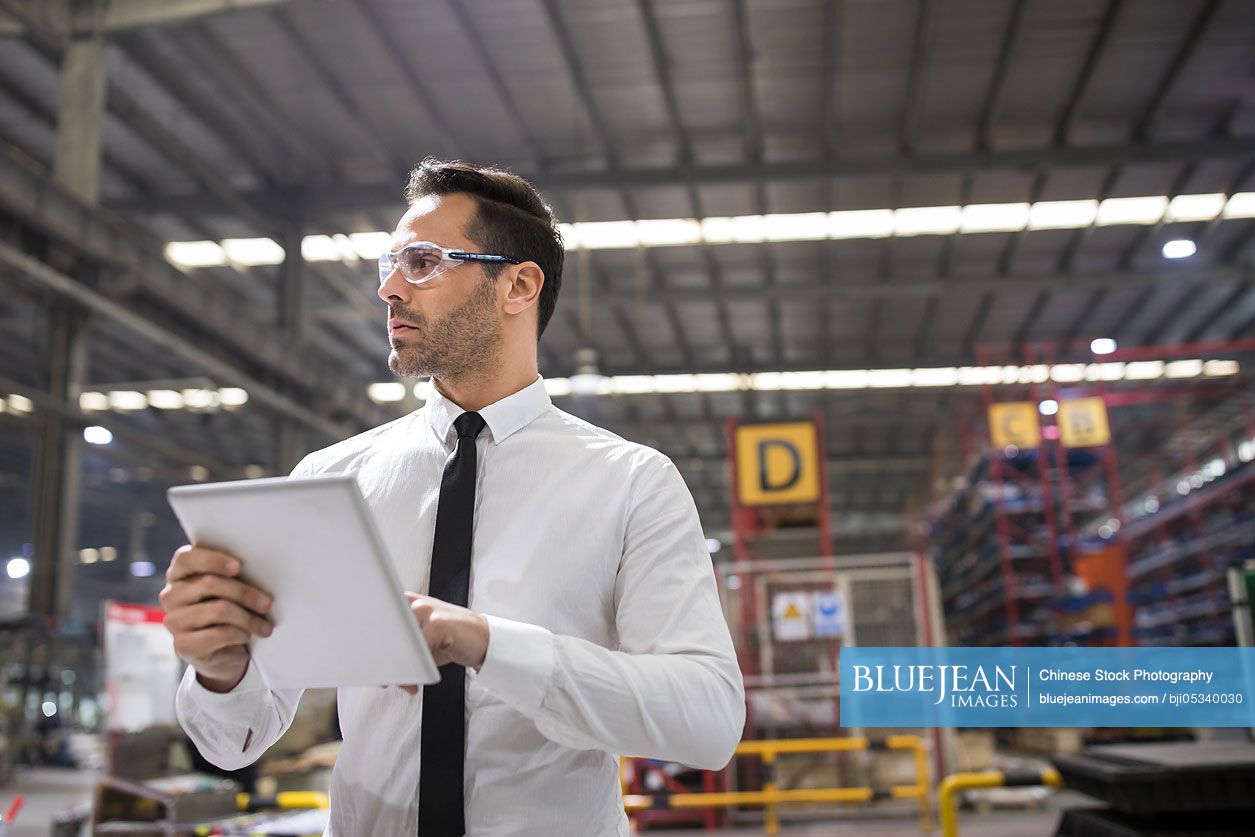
(572, 603)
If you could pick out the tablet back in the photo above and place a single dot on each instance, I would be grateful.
(339, 612)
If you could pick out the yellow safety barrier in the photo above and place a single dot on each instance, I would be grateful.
(284, 800)
(770, 797)
(956, 782)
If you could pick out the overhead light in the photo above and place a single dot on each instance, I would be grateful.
(233, 396)
(320, 248)
(165, 399)
(713, 545)
(96, 435)
(49, 709)
(1143, 370)
(254, 472)
(668, 232)
(108, 553)
(1102, 345)
(1049, 407)
(1131, 210)
(127, 400)
(89, 401)
(1179, 248)
(1060, 215)
(371, 245)
(1184, 369)
(742, 229)
(1240, 205)
(1067, 373)
(386, 392)
(201, 399)
(557, 387)
(938, 377)
(88, 556)
(588, 379)
(1195, 207)
(994, 217)
(18, 568)
(1104, 371)
(20, 403)
(143, 569)
(926, 220)
(607, 235)
(861, 223)
(195, 253)
(423, 390)
(199, 473)
(797, 226)
(253, 251)
(1218, 368)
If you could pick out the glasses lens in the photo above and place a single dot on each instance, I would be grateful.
(418, 263)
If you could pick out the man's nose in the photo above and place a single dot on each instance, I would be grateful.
(395, 287)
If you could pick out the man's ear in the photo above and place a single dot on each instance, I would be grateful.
(523, 291)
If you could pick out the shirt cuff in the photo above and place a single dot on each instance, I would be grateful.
(518, 666)
(236, 706)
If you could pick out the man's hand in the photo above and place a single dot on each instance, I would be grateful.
(212, 615)
(455, 634)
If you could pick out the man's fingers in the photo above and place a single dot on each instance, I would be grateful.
(191, 590)
(202, 644)
(216, 612)
(194, 560)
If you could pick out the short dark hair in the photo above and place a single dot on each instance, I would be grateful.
(511, 219)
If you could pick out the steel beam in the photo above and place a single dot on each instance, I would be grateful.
(120, 15)
(319, 202)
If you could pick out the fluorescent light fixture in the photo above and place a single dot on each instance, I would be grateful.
(797, 226)
(143, 569)
(1240, 205)
(1067, 373)
(195, 253)
(253, 251)
(1038, 373)
(1195, 207)
(861, 223)
(1218, 368)
(557, 387)
(1143, 370)
(1062, 215)
(889, 378)
(631, 384)
(386, 392)
(846, 378)
(96, 435)
(423, 390)
(233, 396)
(926, 220)
(254, 472)
(18, 568)
(108, 553)
(1104, 371)
(88, 556)
(127, 400)
(49, 708)
(320, 248)
(370, 245)
(719, 382)
(93, 401)
(668, 232)
(1102, 345)
(198, 472)
(1049, 407)
(606, 235)
(979, 375)
(20, 403)
(1184, 369)
(742, 229)
(674, 383)
(201, 399)
(1179, 248)
(713, 545)
(994, 217)
(165, 399)
(940, 377)
(1131, 210)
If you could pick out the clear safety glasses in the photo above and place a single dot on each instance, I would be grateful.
(423, 261)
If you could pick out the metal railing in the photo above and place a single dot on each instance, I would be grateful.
(957, 782)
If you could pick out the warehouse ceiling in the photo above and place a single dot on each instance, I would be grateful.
(263, 119)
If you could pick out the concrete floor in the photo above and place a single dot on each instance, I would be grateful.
(50, 791)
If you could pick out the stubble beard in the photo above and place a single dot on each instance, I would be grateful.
(465, 343)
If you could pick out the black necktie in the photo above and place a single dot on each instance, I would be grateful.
(440, 803)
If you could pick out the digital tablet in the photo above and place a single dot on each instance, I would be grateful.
(340, 614)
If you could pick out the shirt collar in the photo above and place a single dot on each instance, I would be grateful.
(503, 417)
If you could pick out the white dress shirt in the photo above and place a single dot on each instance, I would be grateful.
(606, 633)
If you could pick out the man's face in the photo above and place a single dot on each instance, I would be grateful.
(450, 326)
